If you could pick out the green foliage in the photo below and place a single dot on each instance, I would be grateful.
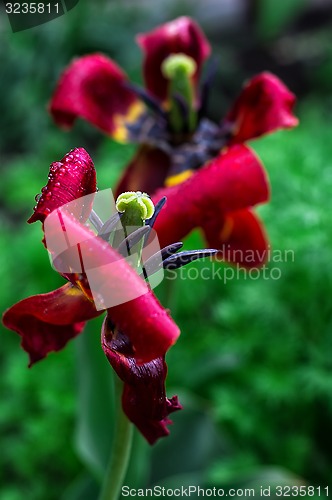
(272, 16)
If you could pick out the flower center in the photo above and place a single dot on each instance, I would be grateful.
(136, 208)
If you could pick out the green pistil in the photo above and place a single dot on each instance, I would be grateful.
(178, 64)
(135, 207)
(179, 69)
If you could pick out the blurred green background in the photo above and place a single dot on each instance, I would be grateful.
(253, 365)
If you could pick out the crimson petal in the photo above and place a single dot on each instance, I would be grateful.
(93, 87)
(264, 105)
(115, 285)
(48, 321)
(181, 35)
(71, 178)
(234, 180)
(144, 398)
(240, 236)
(146, 172)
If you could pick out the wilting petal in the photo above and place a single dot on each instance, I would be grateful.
(144, 399)
(233, 181)
(240, 236)
(46, 322)
(264, 105)
(71, 178)
(146, 172)
(182, 35)
(114, 285)
(94, 88)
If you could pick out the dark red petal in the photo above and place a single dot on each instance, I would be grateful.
(146, 172)
(94, 88)
(69, 179)
(264, 105)
(240, 236)
(115, 284)
(144, 398)
(46, 322)
(232, 181)
(182, 35)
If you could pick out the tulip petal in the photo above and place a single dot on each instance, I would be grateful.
(69, 179)
(240, 236)
(114, 285)
(182, 35)
(264, 105)
(146, 172)
(48, 321)
(234, 180)
(144, 398)
(93, 87)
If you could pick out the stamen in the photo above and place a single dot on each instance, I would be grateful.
(206, 86)
(109, 226)
(183, 258)
(157, 209)
(136, 208)
(153, 264)
(167, 260)
(151, 102)
(152, 220)
(95, 220)
(131, 240)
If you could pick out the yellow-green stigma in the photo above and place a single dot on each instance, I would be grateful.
(176, 64)
(136, 205)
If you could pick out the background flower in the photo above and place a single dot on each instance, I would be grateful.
(169, 120)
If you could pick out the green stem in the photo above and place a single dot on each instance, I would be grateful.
(120, 451)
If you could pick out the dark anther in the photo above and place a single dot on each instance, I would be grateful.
(152, 103)
(154, 263)
(183, 258)
(131, 240)
(206, 86)
(157, 208)
(151, 221)
(95, 220)
(109, 226)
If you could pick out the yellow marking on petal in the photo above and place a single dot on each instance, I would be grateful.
(227, 229)
(87, 293)
(176, 179)
(72, 291)
(120, 132)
